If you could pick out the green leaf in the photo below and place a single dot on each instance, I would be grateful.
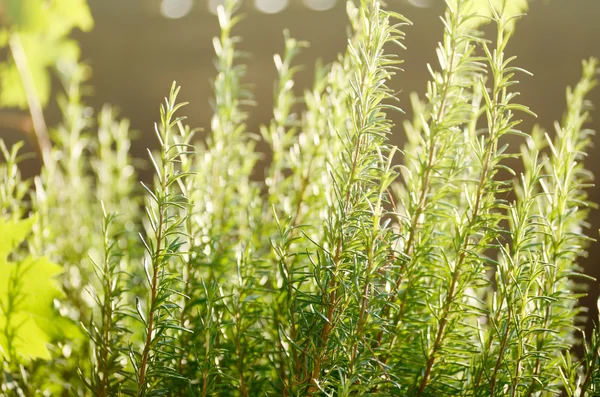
(56, 18)
(42, 53)
(12, 234)
(30, 285)
(25, 15)
(74, 13)
(43, 28)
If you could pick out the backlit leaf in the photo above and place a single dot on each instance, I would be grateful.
(31, 285)
(43, 28)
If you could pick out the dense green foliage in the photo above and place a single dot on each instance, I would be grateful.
(353, 268)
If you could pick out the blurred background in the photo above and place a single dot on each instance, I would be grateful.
(138, 47)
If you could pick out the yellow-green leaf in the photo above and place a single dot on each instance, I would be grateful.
(26, 15)
(76, 12)
(43, 27)
(13, 233)
(27, 290)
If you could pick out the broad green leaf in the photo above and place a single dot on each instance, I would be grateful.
(75, 13)
(43, 27)
(31, 340)
(12, 234)
(32, 281)
(25, 15)
(36, 16)
(3, 37)
(42, 54)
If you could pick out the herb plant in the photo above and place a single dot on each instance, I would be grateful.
(354, 268)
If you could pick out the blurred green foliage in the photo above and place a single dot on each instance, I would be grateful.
(44, 28)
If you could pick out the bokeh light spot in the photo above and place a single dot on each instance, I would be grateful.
(214, 4)
(319, 5)
(174, 9)
(270, 6)
(421, 3)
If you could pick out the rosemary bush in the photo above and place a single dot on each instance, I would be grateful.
(354, 268)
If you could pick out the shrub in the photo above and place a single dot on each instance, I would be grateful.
(353, 268)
